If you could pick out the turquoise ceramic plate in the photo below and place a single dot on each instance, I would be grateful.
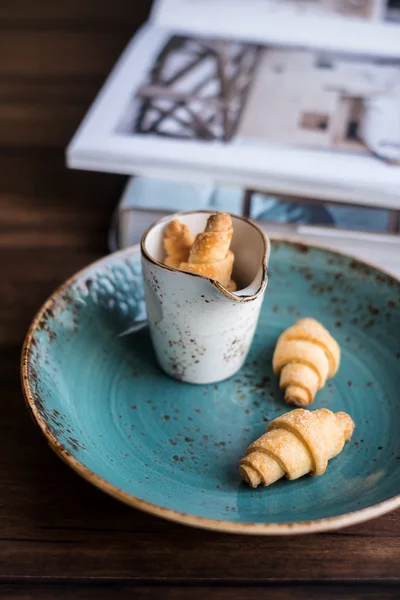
(173, 449)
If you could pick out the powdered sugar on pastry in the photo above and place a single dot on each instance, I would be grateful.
(297, 443)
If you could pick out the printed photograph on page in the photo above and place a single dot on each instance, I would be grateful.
(241, 93)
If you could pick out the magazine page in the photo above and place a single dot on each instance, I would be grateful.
(285, 119)
(366, 26)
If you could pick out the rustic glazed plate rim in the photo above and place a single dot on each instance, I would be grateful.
(295, 527)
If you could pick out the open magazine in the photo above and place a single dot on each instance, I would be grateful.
(295, 97)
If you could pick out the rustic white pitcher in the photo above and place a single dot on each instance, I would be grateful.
(201, 332)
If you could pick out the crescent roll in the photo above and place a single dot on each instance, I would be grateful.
(297, 443)
(210, 255)
(306, 355)
(178, 240)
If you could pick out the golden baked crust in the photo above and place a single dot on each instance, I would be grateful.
(306, 355)
(213, 244)
(207, 254)
(178, 240)
(219, 270)
(297, 443)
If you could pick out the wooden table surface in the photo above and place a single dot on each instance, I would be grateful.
(60, 537)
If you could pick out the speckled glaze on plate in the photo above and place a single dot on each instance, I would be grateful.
(171, 448)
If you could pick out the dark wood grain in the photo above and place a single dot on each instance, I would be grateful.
(185, 592)
(54, 527)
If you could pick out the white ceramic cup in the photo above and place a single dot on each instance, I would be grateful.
(200, 331)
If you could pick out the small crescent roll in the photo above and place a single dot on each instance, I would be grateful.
(178, 240)
(297, 443)
(210, 255)
(306, 355)
(213, 244)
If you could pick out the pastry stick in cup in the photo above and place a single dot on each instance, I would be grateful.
(194, 320)
(210, 255)
(178, 240)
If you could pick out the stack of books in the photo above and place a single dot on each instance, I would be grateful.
(283, 110)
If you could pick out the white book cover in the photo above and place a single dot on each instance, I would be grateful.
(297, 97)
